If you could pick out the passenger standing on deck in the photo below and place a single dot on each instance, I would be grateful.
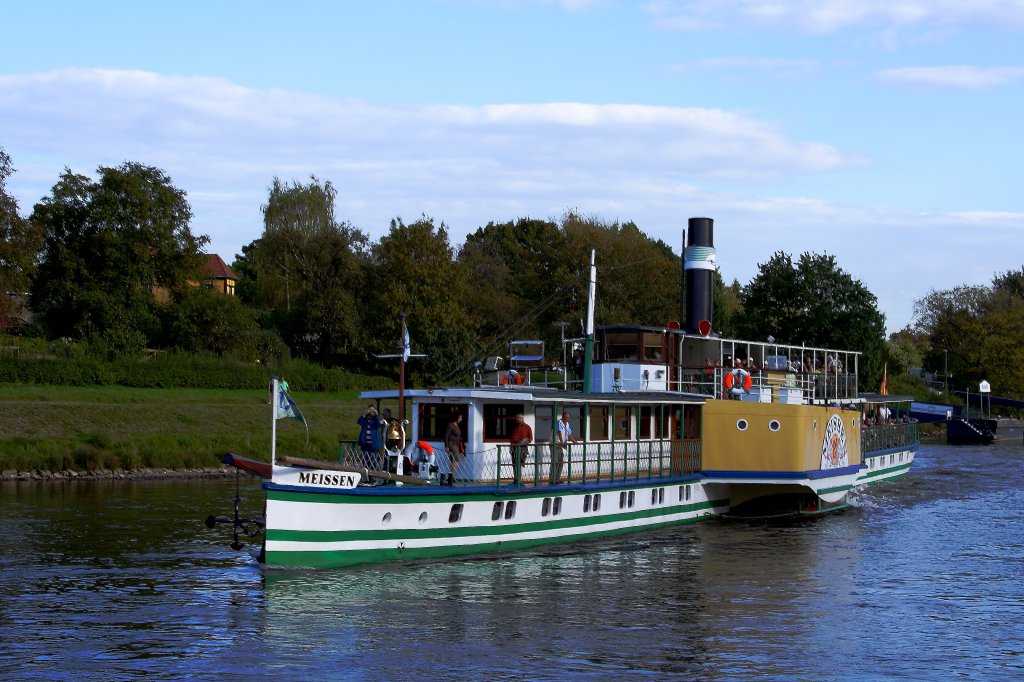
(371, 438)
(562, 440)
(522, 436)
(577, 368)
(453, 445)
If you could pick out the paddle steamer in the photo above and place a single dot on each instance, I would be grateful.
(673, 424)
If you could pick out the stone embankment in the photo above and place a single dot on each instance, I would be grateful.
(115, 474)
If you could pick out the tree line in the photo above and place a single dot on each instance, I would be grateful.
(112, 261)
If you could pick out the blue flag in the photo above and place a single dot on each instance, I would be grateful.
(285, 407)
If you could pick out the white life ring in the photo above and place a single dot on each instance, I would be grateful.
(737, 381)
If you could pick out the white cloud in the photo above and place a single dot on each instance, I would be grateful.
(964, 77)
(756, 68)
(467, 166)
(820, 17)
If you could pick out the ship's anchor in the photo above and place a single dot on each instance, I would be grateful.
(249, 526)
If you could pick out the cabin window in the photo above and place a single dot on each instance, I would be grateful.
(496, 511)
(597, 502)
(654, 496)
(623, 423)
(586, 503)
(556, 506)
(687, 492)
(386, 520)
(455, 515)
(621, 347)
(622, 500)
(510, 509)
(680, 493)
(423, 518)
(632, 499)
(598, 423)
(661, 495)
(646, 421)
(434, 420)
(545, 506)
(653, 351)
(499, 420)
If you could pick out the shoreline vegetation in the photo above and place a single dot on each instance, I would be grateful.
(53, 432)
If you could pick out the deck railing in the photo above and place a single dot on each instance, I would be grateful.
(887, 436)
(538, 464)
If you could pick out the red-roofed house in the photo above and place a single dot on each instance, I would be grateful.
(216, 273)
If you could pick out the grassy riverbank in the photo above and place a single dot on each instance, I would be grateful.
(83, 429)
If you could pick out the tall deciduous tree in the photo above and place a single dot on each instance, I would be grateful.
(20, 243)
(814, 302)
(309, 266)
(414, 271)
(111, 246)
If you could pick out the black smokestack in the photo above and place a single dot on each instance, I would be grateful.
(699, 264)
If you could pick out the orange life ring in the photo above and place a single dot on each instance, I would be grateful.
(737, 381)
(517, 377)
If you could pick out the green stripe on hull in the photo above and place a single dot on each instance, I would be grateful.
(340, 558)
(498, 528)
(889, 474)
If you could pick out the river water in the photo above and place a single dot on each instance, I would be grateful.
(923, 579)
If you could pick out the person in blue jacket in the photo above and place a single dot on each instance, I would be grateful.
(371, 437)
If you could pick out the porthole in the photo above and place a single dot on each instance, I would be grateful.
(510, 510)
(455, 515)
(597, 502)
(622, 500)
(556, 507)
(661, 495)
(654, 496)
(545, 507)
(386, 520)
(586, 503)
(632, 498)
(423, 518)
(774, 425)
(496, 511)
(680, 493)
(742, 424)
(687, 493)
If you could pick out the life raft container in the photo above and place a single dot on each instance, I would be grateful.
(737, 381)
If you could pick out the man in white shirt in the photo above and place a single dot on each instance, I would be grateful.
(562, 439)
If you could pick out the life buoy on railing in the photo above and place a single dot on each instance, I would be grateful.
(737, 381)
(511, 377)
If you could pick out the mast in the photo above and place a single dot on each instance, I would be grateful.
(273, 422)
(589, 348)
(403, 356)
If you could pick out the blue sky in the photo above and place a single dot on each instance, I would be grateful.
(885, 133)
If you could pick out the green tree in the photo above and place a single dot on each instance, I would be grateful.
(414, 271)
(204, 320)
(518, 269)
(814, 302)
(20, 243)
(309, 266)
(110, 248)
(638, 278)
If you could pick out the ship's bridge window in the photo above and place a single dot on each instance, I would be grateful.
(621, 347)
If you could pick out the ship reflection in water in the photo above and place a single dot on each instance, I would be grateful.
(919, 579)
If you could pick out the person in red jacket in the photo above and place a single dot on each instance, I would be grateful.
(522, 436)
